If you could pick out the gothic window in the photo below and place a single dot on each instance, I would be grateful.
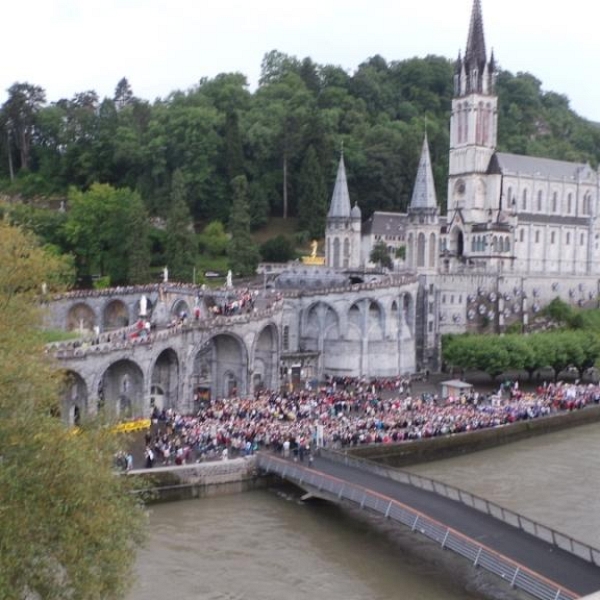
(444, 299)
(494, 244)
(587, 204)
(582, 239)
(524, 206)
(336, 253)
(537, 237)
(474, 247)
(522, 235)
(421, 250)
(568, 239)
(432, 250)
(460, 123)
(569, 203)
(507, 244)
(465, 123)
(430, 326)
(501, 245)
(509, 198)
(539, 201)
(346, 253)
(480, 119)
(552, 237)
(286, 337)
(554, 202)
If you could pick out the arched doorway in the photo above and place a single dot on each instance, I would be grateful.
(220, 365)
(164, 381)
(265, 364)
(74, 398)
(122, 389)
(116, 315)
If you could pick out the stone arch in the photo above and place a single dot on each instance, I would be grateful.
(121, 389)
(408, 310)
(320, 320)
(265, 363)
(82, 317)
(164, 382)
(432, 250)
(223, 354)
(421, 250)
(355, 322)
(115, 315)
(375, 321)
(180, 307)
(73, 398)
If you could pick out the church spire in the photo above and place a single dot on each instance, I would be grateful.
(424, 196)
(475, 55)
(340, 200)
(473, 74)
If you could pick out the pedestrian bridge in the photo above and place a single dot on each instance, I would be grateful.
(527, 555)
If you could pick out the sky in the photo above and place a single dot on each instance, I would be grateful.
(70, 46)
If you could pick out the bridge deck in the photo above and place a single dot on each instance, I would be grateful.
(555, 564)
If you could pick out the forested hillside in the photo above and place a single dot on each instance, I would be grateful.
(284, 138)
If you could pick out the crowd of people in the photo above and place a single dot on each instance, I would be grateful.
(344, 413)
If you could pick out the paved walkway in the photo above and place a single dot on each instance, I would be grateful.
(565, 569)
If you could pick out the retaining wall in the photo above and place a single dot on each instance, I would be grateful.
(420, 451)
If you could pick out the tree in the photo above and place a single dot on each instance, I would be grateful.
(312, 195)
(24, 102)
(107, 229)
(123, 94)
(243, 252)
(181, 248)
(69, 526)
(278, 249)
(380, 255)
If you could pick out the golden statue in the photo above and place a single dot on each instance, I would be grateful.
(313, 259)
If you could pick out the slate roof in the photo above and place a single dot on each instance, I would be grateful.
(424, 191)
(475, 55)
(516, 164)
(385, 223)
(340, 199)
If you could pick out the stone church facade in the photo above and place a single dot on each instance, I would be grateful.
(519, 230)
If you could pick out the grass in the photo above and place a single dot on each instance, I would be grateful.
(56, 335)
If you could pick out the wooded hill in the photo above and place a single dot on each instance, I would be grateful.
(284, 138)
(285, 134)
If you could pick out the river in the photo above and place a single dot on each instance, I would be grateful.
(269, 545)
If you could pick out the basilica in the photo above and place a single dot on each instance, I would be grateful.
(519, 230)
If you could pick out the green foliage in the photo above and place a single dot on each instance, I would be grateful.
(107, 229)
(559, 311)
(213, 240)
(278, 249)
(312, 196)
(70, 528)
(181, 248)
(380, 255)
(497, 354)
(401, 252)
(242, 251)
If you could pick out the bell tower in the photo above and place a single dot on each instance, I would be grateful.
(473, 124)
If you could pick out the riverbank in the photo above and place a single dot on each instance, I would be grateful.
(200, 480)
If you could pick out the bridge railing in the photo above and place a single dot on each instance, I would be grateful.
(556, 538)
(481, 556)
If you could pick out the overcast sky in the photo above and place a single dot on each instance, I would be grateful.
(69, 46)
